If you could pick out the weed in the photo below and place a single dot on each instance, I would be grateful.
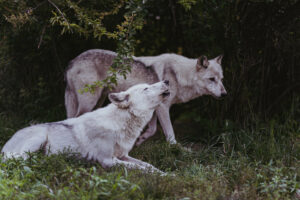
(257, 163)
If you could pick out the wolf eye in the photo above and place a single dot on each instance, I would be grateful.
(145, 89)
(212, 79)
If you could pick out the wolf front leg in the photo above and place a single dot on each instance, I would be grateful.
(129, 164)
(145, 166)
(164, 119)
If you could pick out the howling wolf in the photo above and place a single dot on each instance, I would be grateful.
(105, 135)
(189, 78)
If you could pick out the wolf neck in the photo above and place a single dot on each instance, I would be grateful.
(134, 122)
(138, 120)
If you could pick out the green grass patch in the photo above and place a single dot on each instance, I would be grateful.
(257, 163)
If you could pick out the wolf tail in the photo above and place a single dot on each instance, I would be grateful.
(30, 139)
(71, 102)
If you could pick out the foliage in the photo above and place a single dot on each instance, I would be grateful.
(187, 4)
(277, 182)
(88, 21)
(125, 35)
(241, 164)
(251, 48)
(202, 171)
(260, 49)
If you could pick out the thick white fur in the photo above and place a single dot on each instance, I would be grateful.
(105, 135)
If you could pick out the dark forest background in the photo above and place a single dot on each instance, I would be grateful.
(259, 40)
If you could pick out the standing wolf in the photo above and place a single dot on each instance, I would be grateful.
(105, 135)
(189, 78)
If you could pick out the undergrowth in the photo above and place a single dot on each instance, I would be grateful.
(257, 163)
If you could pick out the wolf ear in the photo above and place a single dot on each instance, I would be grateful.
(202, 62)
(119, 99)
(219, 59)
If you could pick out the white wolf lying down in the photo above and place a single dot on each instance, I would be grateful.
(105, 135)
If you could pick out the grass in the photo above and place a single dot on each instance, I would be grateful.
(259, 162)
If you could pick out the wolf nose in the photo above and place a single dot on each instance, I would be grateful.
(166, 82)
(224, 94)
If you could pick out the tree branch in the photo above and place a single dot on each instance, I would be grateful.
(59, 12)
(41, 37)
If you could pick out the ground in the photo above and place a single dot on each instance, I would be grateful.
(237, 164)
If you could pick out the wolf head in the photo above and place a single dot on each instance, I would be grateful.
(209, 76)
(141, 97)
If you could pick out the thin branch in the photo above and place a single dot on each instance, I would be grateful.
(39, 5)
(59, 12)
(41, 38)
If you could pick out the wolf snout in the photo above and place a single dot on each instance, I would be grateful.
(165, 88)
(166, 93)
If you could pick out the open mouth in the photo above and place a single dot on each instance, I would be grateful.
(165, 94)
